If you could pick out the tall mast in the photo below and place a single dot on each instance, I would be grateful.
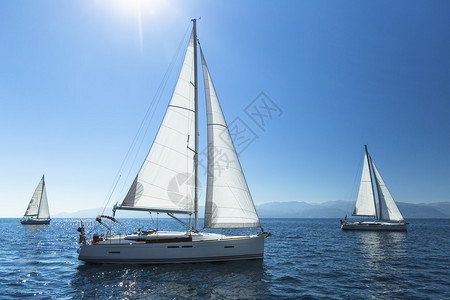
(371, 181)
(194, 29)
(378, 191)
(40, 198)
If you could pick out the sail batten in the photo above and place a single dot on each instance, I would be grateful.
(165, 181)
(228, 200)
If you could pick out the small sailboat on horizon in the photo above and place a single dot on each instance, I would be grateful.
(37, 212)
(167, 183)
(388, 216)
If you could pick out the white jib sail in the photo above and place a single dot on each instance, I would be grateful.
(388, 209)
(33, 206)
(228, 200)
(166, 180)
(43, 212)
(365, 203)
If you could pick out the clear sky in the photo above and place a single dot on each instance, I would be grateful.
(76, 78)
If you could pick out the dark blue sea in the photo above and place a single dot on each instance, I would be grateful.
(304, 258)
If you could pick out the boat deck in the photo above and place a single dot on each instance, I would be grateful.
(165, 237)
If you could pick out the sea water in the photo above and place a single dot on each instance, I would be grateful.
(304, 258)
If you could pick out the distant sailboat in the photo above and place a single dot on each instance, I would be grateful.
(167, 183)
(388, 216)
(37, 212)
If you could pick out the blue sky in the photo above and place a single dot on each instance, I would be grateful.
(76, 78)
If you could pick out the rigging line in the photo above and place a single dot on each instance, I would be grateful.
(136, 137)
(113, 188)
(109, 194)
(153, 221)
(140, 135)
(159, 93)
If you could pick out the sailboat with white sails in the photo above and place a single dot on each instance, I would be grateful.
(173, 159)
(388, 216)
(37, 212)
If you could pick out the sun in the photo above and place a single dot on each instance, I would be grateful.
(136, 13)
(132, 8)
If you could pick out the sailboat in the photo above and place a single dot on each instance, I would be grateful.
(37, 212)
(167, 183)
(388, 216)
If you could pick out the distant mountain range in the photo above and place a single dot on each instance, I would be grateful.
(296, 209)
(338, 209)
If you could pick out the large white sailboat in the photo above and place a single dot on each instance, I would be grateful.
(37, 212)
(388, 216)
(173, 159)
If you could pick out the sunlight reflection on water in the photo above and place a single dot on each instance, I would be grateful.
(232, 279)
(304, 258)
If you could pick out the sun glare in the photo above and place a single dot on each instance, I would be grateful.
(128, 8)
(137, 12)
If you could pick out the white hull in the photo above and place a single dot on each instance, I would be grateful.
(374, 226)
(35, 221)
(172, 247)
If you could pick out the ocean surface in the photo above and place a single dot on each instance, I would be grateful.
(304, 258)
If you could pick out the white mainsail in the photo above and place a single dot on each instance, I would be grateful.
(166, 180)
(33, 206)
(388, 209)
(43, 212)
(38, 206)
(228, 200)
(365, 203)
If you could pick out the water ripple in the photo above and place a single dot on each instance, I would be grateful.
(304, 259)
